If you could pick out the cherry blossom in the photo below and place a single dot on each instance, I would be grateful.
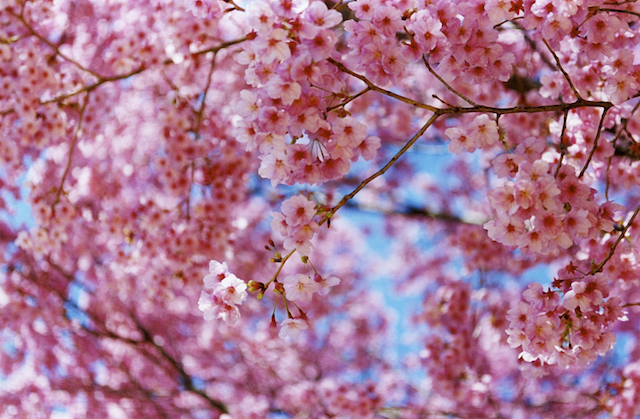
(300, 287)
(305, 208)
(291, 328)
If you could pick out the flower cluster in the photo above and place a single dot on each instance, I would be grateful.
(374, 50)
(570, 331)
(227, 293)
(282, 115)
(541, 213)
(482, 133)
(295, 223)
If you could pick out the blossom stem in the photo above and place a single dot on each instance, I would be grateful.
(275, 276)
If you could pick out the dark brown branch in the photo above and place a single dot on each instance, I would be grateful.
(560, 107)
(375, 88)
(563, 145)
(630, 12)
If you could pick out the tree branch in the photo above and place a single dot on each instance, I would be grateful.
(595, 143)
(71, 150)
(382, 171)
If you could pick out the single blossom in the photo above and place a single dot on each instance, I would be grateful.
(299, 287)
(291, 328)
(325, 283)
(231, 290)
(217, 272)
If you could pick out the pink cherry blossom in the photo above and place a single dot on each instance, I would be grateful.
(300, 287)
(298, 210)
(291, 328)
(231, 290)
(178, 178)
(325, 283)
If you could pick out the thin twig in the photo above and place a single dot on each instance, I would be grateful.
(566, 76)
(76, 135)
(620, 237)
(52, 46)
(595, 143)
(382, 171)
(93, 86)
(443, 101)
(351, 98)
(447, 85)
(380, 90)
(532, 44)
(606, 9)
(217, 48)
(204, 97)
(275, 276)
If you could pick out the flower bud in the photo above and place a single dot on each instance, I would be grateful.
(279, 288)
(255, 286)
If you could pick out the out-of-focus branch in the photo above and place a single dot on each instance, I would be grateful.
(186, 378)
(414, 212)
(99, 331)
(44, 40)
(71, 150)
